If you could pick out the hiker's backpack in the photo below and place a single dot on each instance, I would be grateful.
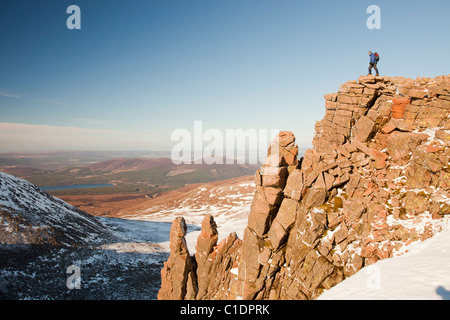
(377, 57)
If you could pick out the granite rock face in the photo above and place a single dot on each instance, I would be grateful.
(376, 180)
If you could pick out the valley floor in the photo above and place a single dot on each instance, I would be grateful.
(128, 270)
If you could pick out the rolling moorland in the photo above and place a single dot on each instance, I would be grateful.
(137, 176)
(22, 163)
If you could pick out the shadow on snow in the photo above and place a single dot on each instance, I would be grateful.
(41, 271)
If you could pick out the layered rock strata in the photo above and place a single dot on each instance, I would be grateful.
(377, 179)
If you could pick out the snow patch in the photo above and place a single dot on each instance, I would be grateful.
(422, 273)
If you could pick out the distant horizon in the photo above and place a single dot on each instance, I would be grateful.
(156, 152)
(82, 151)
(301, 148)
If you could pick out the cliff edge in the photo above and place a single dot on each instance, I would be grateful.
(376, 179)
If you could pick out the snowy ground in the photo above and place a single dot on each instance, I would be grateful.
(127, 264)
(128, 269)
(229, 205)
(422, 273)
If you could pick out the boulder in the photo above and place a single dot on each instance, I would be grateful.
(341, 233)
(273, 195)
(354, 208)
(287, 212)
(277, 235)
(400, 145)
(444, 136)
(364, 128)
(282, 150)
(250, 249)
(398, 110)
(416, 203)
(417, 93)
(433, 115)
(273, 176)
(379, 158)
(294, 185)
(418, 176)
(388, 128)
(315, 197)
(261, 212)
(430, 158)
(341, 121)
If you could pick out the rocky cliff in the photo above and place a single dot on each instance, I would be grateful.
(377, 179)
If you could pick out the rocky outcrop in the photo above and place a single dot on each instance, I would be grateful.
(204, 275)
(178, 273)
(376, 180)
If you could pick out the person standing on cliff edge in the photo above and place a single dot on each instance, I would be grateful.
(374, 58)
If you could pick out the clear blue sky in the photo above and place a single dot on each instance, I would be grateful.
(141, 69)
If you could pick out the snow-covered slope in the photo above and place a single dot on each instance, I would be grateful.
(42, 236)
(422, 273)
(28, 215)
(227, 201)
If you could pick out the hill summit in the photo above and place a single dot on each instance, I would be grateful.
(376, 180)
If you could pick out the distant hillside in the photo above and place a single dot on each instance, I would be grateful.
(28, 215)
(118, 165)
(19, 163)
(139, 176)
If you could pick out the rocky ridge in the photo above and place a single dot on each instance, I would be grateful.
(376, 180)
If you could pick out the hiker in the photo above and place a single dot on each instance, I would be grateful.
(374, 58)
